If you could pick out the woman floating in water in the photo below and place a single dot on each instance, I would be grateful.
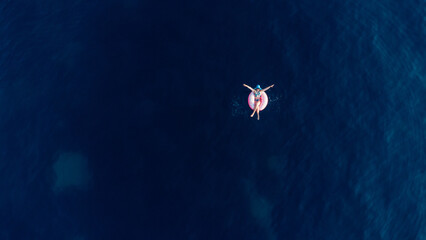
(258, 99)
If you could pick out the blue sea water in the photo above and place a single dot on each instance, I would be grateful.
(128, 120)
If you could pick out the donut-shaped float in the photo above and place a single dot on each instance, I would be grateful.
(263, 101)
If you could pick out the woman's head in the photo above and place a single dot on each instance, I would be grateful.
(257, 88)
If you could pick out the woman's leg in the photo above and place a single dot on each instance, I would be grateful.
(258, 113)
(254, 110)
(256, 105)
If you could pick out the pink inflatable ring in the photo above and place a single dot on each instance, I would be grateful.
(263, 101)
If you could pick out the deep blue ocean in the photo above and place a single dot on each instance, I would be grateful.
(129, 120)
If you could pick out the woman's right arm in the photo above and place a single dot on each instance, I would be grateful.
(248, 87)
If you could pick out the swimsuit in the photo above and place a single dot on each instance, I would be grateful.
(257, 96)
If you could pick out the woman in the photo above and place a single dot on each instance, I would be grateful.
(257, 93)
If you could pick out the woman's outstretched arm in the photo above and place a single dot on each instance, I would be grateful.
(268, 88)
(248, 87)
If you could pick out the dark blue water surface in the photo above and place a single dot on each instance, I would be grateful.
(128, 120)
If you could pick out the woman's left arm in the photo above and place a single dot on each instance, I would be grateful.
(268, 87)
